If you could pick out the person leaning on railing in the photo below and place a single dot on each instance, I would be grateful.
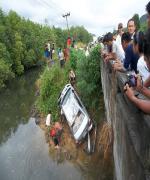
(138, 42)
(116, 49)
(130, 61)
(144, 105)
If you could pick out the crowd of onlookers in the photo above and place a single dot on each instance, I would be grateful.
(130, 52)
(62, 53)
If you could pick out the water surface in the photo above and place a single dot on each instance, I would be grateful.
(24, 153)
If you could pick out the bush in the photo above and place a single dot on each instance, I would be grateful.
(52, 83)
(5, 73)
(88, 73)
(74, 56)
(89, 79)
(30, 58)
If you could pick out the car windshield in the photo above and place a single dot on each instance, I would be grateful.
(77, 122)
(66, 97)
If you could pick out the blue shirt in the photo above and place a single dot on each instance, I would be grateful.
(46, 53)
(131, 59)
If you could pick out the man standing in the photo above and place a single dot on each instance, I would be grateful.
(48, 120)
(131, 27)
(144, 105)
(130, 61)
(48, 45)
(69, 42)
(117, 51)
(120, 32)
(61, 58)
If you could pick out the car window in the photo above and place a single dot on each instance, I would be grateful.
(78, 121)
(78, 100)
(66, 97)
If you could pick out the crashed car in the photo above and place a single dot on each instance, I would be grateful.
(75, 113)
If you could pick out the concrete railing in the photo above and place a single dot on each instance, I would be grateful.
(131, 128)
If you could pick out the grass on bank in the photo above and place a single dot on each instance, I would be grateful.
(87, 70)
(51, 83)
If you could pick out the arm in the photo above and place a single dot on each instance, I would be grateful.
(147, 82)
(145, 91)
(144, 105)
(110, 56)
(118, 66)
(142, 88)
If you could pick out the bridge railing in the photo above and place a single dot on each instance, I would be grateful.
(131, 127)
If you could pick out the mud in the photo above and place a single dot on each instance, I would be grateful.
(68, 149)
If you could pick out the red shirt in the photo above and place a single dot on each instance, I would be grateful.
(68, 42)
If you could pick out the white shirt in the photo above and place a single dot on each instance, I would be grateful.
(48, 119)
(119, 51)
(132, 36)
(48, 46)
(61, 56)
(86, 53)
(118, 40)
(142, 68)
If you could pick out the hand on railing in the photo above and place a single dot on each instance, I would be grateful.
(129, 92)
(118, 66)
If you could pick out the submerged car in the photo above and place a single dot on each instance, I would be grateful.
(75, 113)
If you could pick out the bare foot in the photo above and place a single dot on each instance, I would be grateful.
(57, 147)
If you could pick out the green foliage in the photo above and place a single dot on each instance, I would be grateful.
(52, 83)
(143, 26)
(88, 82)
(22, 41)
(4, 54)
(29, 59)
(89, 79)
(5, 73)
(5, 65)
(61, 37)
(17, 54)
(80, 34)
(74, 56)
(137, 21)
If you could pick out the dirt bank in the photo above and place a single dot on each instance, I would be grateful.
(68, 149)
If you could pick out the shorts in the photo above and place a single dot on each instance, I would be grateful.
(56, 142)
(62, 62)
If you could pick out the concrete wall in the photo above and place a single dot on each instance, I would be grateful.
(131, 128)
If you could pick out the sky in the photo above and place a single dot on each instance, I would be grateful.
(97, 16)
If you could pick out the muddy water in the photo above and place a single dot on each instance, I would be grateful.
(24, 153)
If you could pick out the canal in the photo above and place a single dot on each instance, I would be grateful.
(24, 153)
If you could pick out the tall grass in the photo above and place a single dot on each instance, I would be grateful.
(106, 140)
(89, 80)
(52, 82)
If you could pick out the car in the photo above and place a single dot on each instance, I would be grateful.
(75, 113)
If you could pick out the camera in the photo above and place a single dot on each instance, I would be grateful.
(132, 80)
(113, 62)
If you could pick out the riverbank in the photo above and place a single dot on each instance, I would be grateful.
(69, 150)
(24, 153)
